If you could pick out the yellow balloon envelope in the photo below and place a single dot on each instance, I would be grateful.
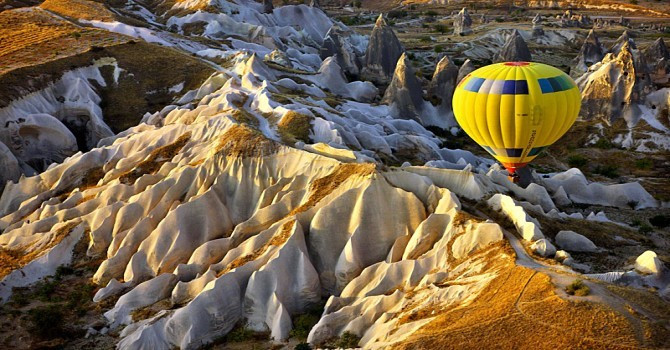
(514, 110)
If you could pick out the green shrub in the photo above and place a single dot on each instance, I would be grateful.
(302, 346)
(431, 13)
(636, 222)
(499, 19)
(603, 143)
(63, 270)
(425, 39)
(440, 28)
(348, 340)
(660, 221)
(577, 160)
(610, 171)
(644, 229)
(44, 290)
(578, 288)
(240, 334)
(644, 164)
(438, 48)
(397, 14)
(47, 321)
(302, 324)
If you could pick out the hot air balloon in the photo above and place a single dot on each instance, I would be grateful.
(515, 110)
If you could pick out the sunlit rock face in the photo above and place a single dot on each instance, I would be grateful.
(515, 49)
(621, 40)
(463, 23)
(384, 50)
(612, 88)
(404, 94)
(590, 53)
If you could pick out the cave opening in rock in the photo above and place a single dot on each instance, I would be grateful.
(77, 124)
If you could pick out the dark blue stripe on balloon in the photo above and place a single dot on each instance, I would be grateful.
(509, 87)
(535, 151)
(521, 87)
(555, 84)
(514, 152)
(545, 86)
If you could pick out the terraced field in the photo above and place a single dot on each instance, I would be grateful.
(80, 9)
(32, 36)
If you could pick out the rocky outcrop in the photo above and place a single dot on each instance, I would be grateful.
(537, 26)
(574, 242)
(404, 94)
(336, 43)
(38, 140)
(315, 3)
(569, 19)
(11, 171)
(278, 57)
(657, 58)
(618, 44)
(590, 53)
(268, 7)
(466, 68)
(612, 88)
(515, 49)
(441, 88)
(462, 23)
(382, 53)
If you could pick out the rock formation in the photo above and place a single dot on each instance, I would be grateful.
(537, 26)
(657, 58)
(590, 53)
(278, 57)
(462, 23)
(38, 140)
(336, 43)
(404, 94)
(515, 49)
(441, 88)
(268, 7)
(624, 38)
(315, 3)
(466, 68)
(611, 88)
(11, 170)
(382, 53)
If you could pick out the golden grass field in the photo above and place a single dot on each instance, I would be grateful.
(32, 36)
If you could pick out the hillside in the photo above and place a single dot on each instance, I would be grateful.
(241, 174)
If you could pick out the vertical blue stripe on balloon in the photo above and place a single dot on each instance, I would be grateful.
(545, 86)
(514, 152)
(509, 87)
(555, 84)
(474, 84)
(521, 87)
